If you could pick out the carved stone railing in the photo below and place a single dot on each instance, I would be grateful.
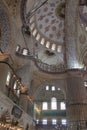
(15, 79)
(50, 68)
(25, 53)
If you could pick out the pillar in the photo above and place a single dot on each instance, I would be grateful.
(71, 32)
(23, 102)
(76, 98)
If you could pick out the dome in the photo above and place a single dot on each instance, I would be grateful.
(47, 25)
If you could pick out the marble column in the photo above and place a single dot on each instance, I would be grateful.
(71, 32)
(76, 97)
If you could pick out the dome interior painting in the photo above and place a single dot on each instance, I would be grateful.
(5, 31)
(47, 25)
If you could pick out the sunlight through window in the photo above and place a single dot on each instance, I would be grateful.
(8, 78)
(53, 103)
(44, 106)
(44, 121)
(62, 106)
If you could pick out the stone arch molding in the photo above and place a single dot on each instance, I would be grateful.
(57, 83)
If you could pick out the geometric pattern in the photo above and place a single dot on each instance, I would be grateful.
(83, 16)
(48, 26)
(48, 22)
(4, 29)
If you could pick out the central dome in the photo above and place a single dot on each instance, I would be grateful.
(47, 25)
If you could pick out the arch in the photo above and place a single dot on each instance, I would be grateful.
(41, 89)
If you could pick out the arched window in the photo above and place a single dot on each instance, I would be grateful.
(53, 103)
(54, 121)
(34, 32)
(8, 78)
(42, 41)
(44, 106)
(64, 121)
(38, 37)
(25, 51)
(15, 85)
(59, 48)
(85, 83)
(48, 44)
(32, 26)
(53, 46)
(44, 121)
(47, 87)
(62, 106)
(53, 88)
(18, 92)
(37, 121)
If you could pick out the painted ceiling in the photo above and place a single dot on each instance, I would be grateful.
(47, 25)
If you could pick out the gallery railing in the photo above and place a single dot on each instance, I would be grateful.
(24, 52)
